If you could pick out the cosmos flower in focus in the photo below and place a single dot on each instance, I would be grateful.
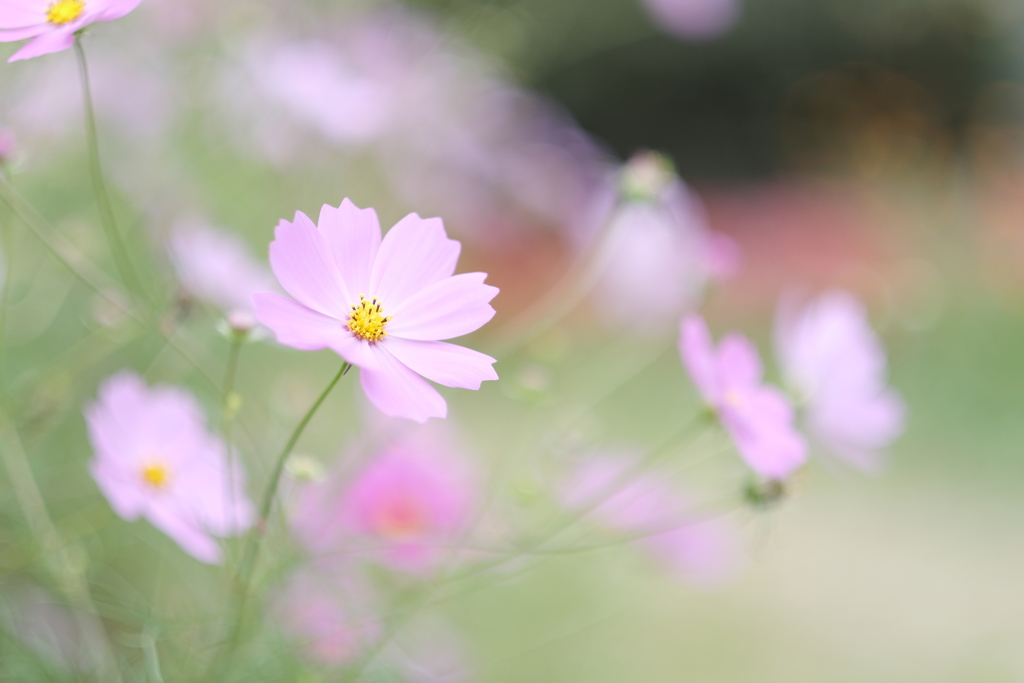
(154, 458)
(382, 305)
(704, 551)
(217, 267)
(52, 24)
(758, 418)
(657, 254)
(835, 365)
(695, 19)
(404, 508)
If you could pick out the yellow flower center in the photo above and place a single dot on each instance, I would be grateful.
(65, 11)
(156, 475)
(368, 320)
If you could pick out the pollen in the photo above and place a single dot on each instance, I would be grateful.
(367, 320)
(156, 475)
(65, 11)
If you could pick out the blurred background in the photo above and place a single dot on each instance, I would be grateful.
(875, 146)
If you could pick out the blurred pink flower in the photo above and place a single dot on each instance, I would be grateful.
(217, 267)
(382, 305)
(53, 23)
(758, 418)
(657, 254)
(836, 366)
(704, 551)
(153, 457)
(328, 615)
(695, 19)
(408, 503)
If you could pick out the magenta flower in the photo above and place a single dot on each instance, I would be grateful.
(836, 366)
(382, 305)
(53, 23)
(405, 508)
(703, 551)
(154, 458)
(758, 418)
(217, 267)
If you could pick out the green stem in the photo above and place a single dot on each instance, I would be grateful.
(253, 542)
(117, 247)
(228, 410)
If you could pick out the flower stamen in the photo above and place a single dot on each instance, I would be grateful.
(367, 320)
(64, 11)
(156, 475)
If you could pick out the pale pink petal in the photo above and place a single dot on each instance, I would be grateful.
(447, 364)
(762, 427)
(450, 308)
(414, 254)
(302, 262)
(354, 237)
(22, 14)
(697, 351)
(192, 540)
(11, 35)
(739, 364)
(398, 391)
(44, 44)
(297, 325)
(115, 9)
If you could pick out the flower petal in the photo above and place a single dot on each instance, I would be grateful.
(762, 428)
(447, 364)
(294, 324)
(450, 308)
(698, 353)
(353, 235)
(44, 44)
(739, 365)
(11, 35)
(176, 523)
(398, 391)
(414, 254)
(301, 260)
(115, 9)
(22, 13)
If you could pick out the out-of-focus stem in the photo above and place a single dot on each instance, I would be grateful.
(30, 500)
(107, 218)
(76, 263)
(255, 537)
(228, 409)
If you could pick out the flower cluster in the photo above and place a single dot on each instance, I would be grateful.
(332, 561)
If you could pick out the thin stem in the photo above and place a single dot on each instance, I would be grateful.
(531, 548)
(253, 542)
(33, 508)
(107, 218)
(228, 409)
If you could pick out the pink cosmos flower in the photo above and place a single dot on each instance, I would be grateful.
(658, 254)
(53, 23)
(406, 507)
(835, 365)
(705, 551)
(382, 305)
(695, 19)
(217, 266)
(329, 616)
(154, 458)
(758, 418)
